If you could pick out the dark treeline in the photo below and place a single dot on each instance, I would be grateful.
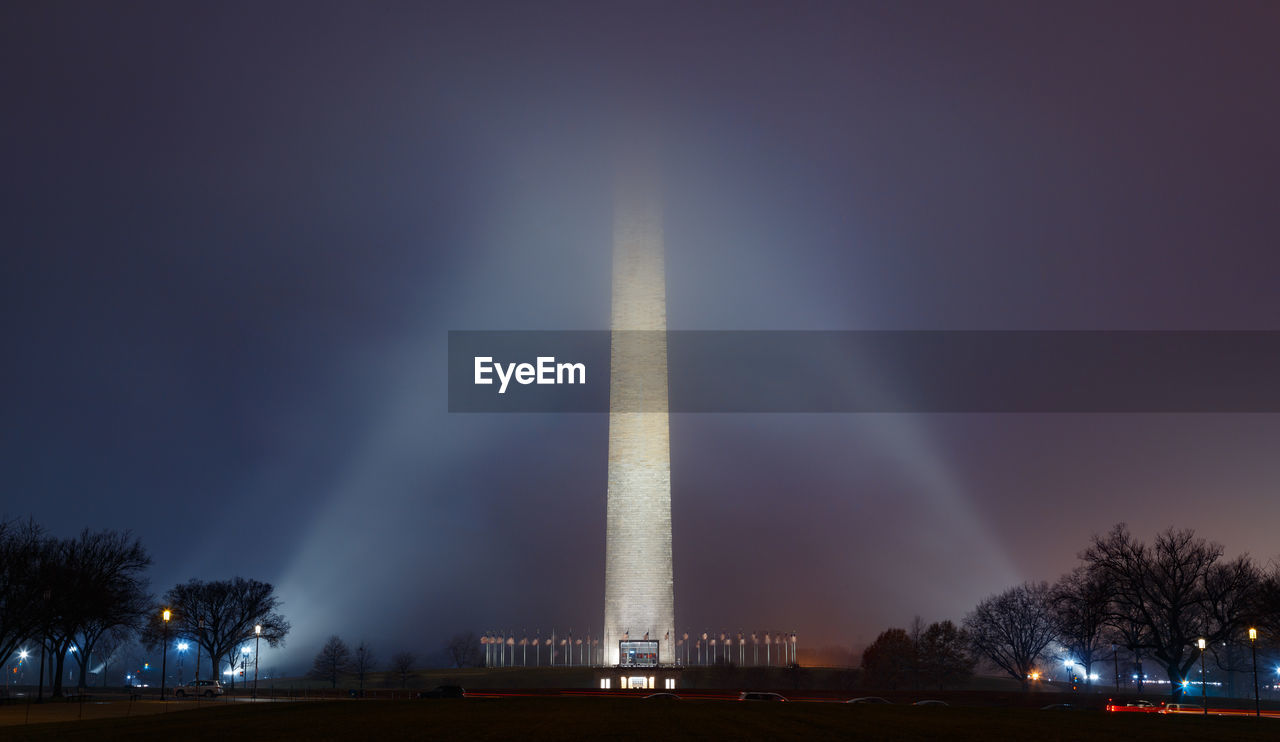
(933, 656)
(221, 617)
(65, 593)
(88, 596)
(336, 661)
(1148, 602)
(1152, 602)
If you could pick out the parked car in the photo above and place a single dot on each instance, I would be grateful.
(1138, 706)
(444, 691)
(930, 702)
(759, 696)
(868, 699)
(206, 688)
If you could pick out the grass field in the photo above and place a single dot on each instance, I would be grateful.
(555, 718)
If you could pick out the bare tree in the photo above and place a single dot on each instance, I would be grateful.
(110, 646)
(24, 549)
(1231, 594)
(943, 654)
(917, 636)
(1082, 604)
(1266, 608)
(65, 593)
(402, 663)
(464, 649)
(363, 661)
(1013, 628)
(1176, 590)
(220, 616)
(331, 661)
(1126, 629)
(110, 590)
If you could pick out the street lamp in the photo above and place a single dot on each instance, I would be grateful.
(257, 637)
(182, 653)
(244, 663)
(1115, 657)
(164, 658)
(1204, 687)
(200, 638)
(22, 658)
(1253, 647)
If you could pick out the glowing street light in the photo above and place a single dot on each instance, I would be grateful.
(164, 657)
(1204, 685)
(1253, 647)
(182, 652)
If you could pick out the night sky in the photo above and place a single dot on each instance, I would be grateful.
(234, 238)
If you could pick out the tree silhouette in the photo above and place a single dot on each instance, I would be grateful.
(220, 616)
(363, 661)
(1177, 590)
(889, 661)
(402, 663)
(943, 654)
(1013, 628)
(464, 649)
(331, 661)
(1082, 604)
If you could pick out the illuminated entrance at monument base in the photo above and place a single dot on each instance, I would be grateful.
(638, 669)
(631, 680)
(638, 653)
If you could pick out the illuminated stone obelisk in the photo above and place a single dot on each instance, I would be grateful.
(639, 597)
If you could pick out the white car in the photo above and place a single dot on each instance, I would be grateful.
(1182, 708)
(206, 688)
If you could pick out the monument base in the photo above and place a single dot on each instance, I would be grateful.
(652, 679)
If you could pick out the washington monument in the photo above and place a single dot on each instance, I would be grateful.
(639, 601)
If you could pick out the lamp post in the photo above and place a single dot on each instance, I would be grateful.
(1253, 647)
(22, 657)
(1115, 657)
(200, 638)
(164, 656)
(1204, 687)
(257, 638)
